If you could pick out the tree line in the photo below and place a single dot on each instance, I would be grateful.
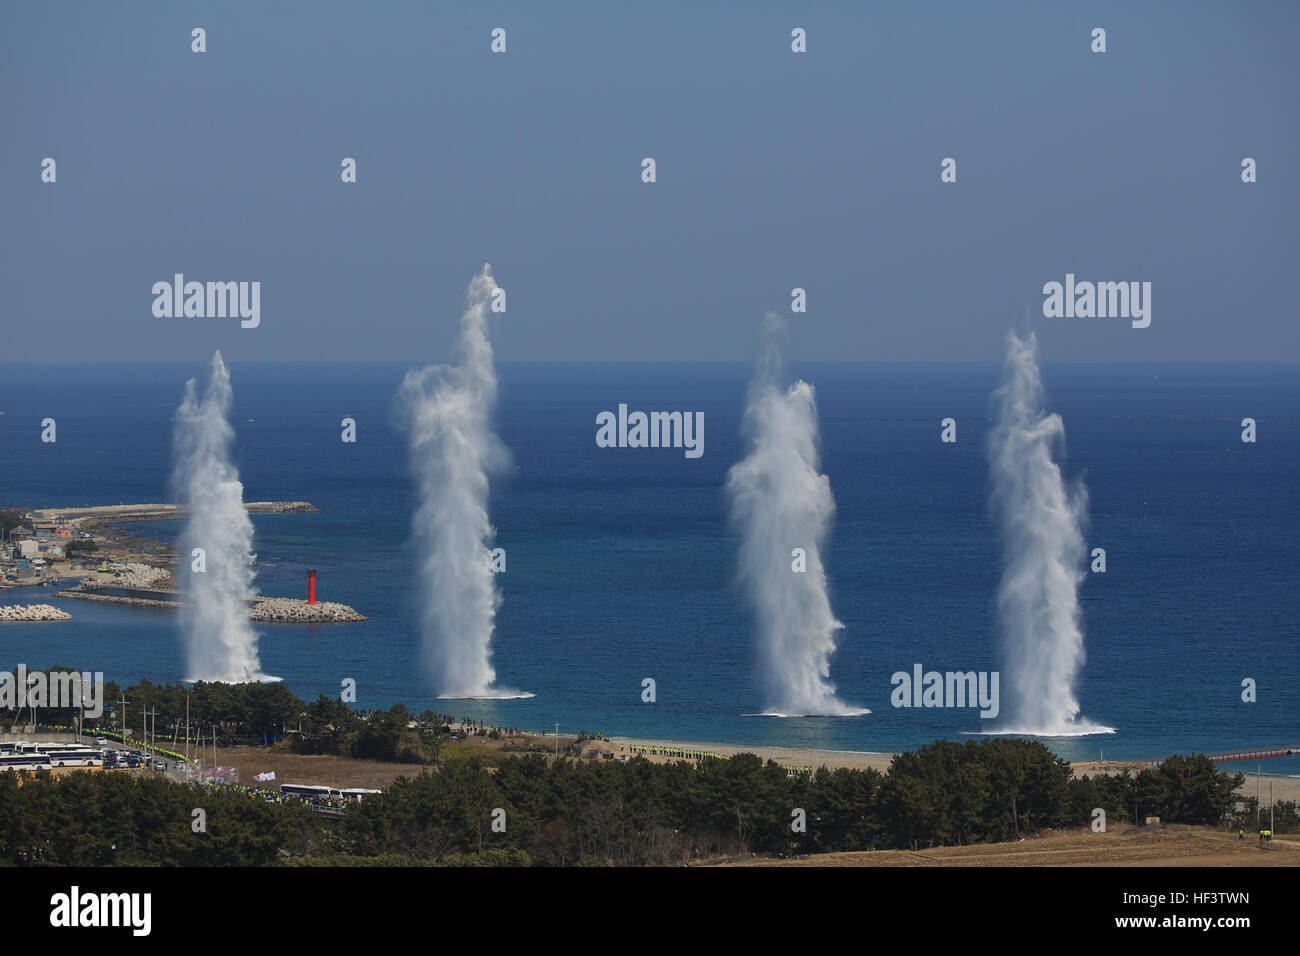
(533, 810)
(253, 714)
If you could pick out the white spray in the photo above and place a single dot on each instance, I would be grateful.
(453, 451)
(219, 639)
(780, 502)
(1044, 554)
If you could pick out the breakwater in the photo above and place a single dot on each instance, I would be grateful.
(32, 612)
(274, 610)
(297, 611)
(80, 519)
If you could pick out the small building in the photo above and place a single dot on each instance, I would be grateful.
(28, 548)
(20, 533)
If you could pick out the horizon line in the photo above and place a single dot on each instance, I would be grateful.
(4, 363)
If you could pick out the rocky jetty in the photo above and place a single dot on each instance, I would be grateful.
(33, 612)
(297, 611)
(136, 576)
(276, 610)
(279, 507)
(79, 519)
(90, 594)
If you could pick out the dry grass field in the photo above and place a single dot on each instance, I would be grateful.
(1119, 846)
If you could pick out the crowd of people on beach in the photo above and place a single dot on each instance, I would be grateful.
(679, 752)
(470, 725)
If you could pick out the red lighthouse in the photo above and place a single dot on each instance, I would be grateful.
(311, 586)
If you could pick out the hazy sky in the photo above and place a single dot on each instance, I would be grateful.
(775, 170)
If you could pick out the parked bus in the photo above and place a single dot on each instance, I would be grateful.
(358, 794)
(71, 755)
(22, 761)
(307, 790)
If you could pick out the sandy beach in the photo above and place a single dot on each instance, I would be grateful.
(785, 756)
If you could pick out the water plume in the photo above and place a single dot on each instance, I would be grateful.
(448, 411)
(220, 643)
(1044, 555)
(780, 501)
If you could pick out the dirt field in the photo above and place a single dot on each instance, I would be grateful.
(1120, 846)
(345, 772)
(341, 772)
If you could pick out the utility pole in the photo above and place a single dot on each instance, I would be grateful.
(557, 741)
(124, 703)
(187, 726)
(31, 707)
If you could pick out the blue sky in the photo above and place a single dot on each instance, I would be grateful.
(775, 170)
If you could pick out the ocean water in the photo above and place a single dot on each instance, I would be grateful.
(621, 564)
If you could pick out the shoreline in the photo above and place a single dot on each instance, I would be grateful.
(792, 757)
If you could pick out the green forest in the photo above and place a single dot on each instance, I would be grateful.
(531, 810)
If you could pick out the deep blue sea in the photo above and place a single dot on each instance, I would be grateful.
(621, 564)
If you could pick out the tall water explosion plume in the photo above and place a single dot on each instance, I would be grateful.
(448, 411)
(217, 581)
(780, 502)
(1044, 554)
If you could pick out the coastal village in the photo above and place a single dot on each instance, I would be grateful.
(44, 552)
(48, 548)
(88, 555)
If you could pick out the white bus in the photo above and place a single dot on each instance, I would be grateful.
(72, 755)
(308, 790)
(24, 761)
(358, 794)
